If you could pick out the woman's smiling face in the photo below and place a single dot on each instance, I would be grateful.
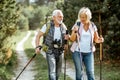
(83, 18)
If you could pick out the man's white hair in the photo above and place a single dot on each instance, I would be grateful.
(85, 10)
(55, 12)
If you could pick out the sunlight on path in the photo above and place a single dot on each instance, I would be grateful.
(69, 71)
(28, 73)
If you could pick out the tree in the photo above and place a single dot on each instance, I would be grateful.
(38, 16)
(27, 2)
(40, 2)
(110, 20)
(70, 10)
(8, 19)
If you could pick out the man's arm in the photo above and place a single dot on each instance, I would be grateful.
(38, 40)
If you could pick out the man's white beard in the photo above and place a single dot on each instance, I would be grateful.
(60, 22)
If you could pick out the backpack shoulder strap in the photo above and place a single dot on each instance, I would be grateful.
(47, 28)
(93, 25)
(78, 24)
(48, 25)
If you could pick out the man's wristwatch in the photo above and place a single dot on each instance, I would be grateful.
(39, 47)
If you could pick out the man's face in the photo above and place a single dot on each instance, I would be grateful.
(58, 18)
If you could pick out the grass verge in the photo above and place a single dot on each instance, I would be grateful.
(109, 70)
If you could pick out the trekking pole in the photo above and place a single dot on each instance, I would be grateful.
(81, 62)
(65, 64)
(65, 52)
(100, 61)
(100, 47)
(27, 64)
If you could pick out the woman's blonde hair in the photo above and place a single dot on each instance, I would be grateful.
(85, 10)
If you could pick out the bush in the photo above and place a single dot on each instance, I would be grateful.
(23, 23)
(8, 20)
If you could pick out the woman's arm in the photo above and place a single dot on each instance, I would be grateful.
(73, 36)
(98, 39)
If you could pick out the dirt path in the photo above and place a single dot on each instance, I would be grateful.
(28, 73)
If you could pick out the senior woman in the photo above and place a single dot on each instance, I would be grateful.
(83, 47)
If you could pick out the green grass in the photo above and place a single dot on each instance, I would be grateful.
(41, 64)
(17, 37)
(109, 72)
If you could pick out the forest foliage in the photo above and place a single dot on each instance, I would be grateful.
(108, 26)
